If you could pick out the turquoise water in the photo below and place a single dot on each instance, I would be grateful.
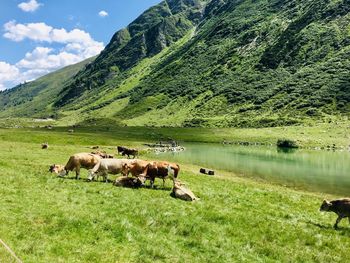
(323, 171)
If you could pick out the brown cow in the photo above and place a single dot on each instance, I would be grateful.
(180, 191)
(341, 207)
(130, 182)
(160, 169)
(75, 162)
(135, 167)
(150, 170)
(103, 154)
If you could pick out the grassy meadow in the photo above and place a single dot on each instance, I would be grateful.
(50, 219)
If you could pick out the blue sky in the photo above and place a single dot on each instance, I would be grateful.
(40, 36)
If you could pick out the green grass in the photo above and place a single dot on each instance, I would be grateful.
(48, 219)
(317, 135)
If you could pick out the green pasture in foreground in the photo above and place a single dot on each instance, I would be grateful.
(50, 219)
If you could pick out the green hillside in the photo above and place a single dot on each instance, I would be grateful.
(218, 63)
(35, 99)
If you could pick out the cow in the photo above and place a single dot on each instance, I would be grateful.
(127, 152)
(135, 167)
(131, 182)
(103, 154)
(107, 166)
(181, 192)
(150, 170)
(75, 162)
(130, 152)
(160, 169)
(341, 207)
(121, 149)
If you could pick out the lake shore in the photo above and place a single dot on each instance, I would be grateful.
(318, 136)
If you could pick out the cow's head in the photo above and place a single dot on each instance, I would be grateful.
(58, 169)
(91, 175)
(325, 206)
(141, 179)
(126, 168)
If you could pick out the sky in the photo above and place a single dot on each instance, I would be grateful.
(41, 36)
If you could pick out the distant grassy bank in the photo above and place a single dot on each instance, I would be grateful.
(48, 219)
(322, 135)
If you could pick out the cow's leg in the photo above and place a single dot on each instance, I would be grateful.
(105, 177)
(338, 221)
(152, 183)
(77, 172)
(163, 182)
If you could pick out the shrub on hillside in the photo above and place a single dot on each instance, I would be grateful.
(286, 143)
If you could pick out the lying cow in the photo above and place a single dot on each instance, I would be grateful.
(103, 154)
(130, 182)
(75, 162)
(107, 166)
(181, 192)
(341, 207)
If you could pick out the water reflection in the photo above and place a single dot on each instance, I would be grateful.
(324, 171)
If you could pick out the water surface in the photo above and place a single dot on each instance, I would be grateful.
(323, 171)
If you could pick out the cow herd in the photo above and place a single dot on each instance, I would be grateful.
(101, 164)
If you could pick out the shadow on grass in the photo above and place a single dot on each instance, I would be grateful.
(109, 181)
(343, 230)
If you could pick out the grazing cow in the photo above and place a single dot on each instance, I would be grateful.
(127, 152)
(151, 170)
(130, 182)
(160, 170)
(130, 152)
(77, 161)
(121, 149)
(341, 207)
(135, 167)
(107, 166)
(181, 192)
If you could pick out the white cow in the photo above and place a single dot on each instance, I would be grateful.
(107, 166)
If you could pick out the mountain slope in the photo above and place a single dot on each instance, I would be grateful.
(219, 63)
(149, 34)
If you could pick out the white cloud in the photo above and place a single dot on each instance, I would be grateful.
(7, 74)
(43, 58)
(76, 45)
(30, 6)
(33, 31)
(103, 13)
